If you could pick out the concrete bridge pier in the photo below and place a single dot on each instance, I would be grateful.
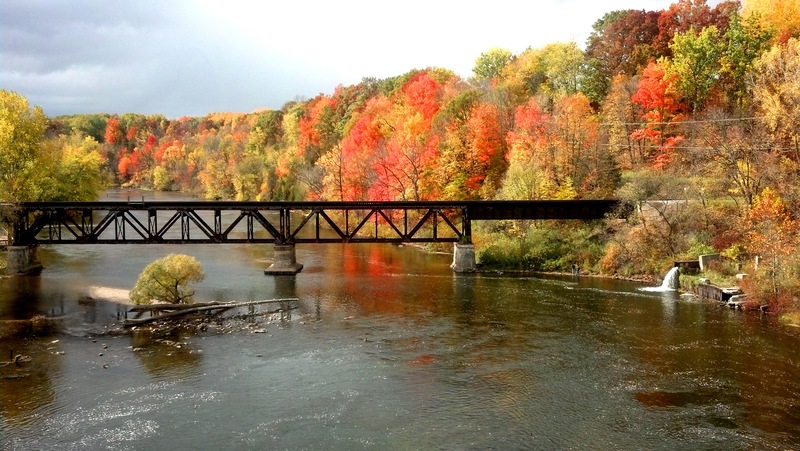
(284, 261)
(463, 258)
(23, 260)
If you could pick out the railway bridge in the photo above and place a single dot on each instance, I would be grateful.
(283, 224)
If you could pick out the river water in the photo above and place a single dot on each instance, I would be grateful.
(388, 349)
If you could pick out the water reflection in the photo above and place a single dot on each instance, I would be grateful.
(285, 286)
(26, 386)
(167, 356)
(20, 297)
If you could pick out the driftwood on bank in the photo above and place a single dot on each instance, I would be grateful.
(185, 309)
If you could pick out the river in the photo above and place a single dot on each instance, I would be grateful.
(389, 349)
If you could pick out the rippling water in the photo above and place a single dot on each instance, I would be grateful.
(390, 350)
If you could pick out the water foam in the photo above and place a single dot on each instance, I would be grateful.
(671, 282)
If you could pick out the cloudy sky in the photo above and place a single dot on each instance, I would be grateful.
(193, 57)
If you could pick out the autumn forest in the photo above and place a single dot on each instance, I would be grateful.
(690, 114)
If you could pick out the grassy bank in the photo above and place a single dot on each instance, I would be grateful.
(525, 245)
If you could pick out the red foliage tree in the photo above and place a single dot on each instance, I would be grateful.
(349, 166)
(114, 133)
(658, 97)
(131, 135)
(403, 165)
(686, 14)
(124, 167)
(422, 93)
(623, 42)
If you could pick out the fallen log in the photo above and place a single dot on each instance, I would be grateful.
(158, 307)
(187, 309)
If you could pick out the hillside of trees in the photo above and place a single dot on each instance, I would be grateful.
(691, 113)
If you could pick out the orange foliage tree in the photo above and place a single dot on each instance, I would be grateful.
(772, 235)
(574, 139)
(402, 165)
(485, 161)
(527, 176)
(348, 167)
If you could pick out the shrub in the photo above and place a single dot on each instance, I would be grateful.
(167, 280)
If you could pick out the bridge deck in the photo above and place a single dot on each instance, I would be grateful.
(272, 222)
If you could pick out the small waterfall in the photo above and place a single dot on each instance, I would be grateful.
(671, 281)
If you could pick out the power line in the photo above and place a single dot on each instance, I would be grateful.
(708, 121)
(651, 146)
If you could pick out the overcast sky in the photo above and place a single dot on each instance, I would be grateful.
(193, 57)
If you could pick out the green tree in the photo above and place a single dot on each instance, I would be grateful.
(249, 178)
(556, 70)
(744, 42)
(695, 64)
(93, 125)
(167, 279)
(489, 64)
(564, 67)
(266, 132)
(524, 77)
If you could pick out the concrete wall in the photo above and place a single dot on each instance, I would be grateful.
(463, 258)
(706, 260)
(23, 260)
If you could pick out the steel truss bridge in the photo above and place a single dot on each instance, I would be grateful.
(156, 222)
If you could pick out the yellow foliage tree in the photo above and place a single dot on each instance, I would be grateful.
(21, 135)
(32, 168)
(777, 90)
(783, 15)
(167, 279)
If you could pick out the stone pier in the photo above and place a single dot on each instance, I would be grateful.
(463, 258)
(284, 261)
(23, 260)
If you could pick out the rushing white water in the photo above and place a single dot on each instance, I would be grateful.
(671, 281)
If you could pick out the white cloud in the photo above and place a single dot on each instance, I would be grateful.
(193, 57)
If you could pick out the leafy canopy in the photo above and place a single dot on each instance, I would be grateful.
(167, 279)
(35, 168)
(21, 134)
(489, 64)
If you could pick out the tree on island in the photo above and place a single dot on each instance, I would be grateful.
(167, 279)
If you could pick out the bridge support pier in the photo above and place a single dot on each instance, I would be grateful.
(284, 261)
(463, 258)
(23, 260)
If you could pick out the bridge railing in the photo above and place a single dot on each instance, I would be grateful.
(119, 223)
(277, 222)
